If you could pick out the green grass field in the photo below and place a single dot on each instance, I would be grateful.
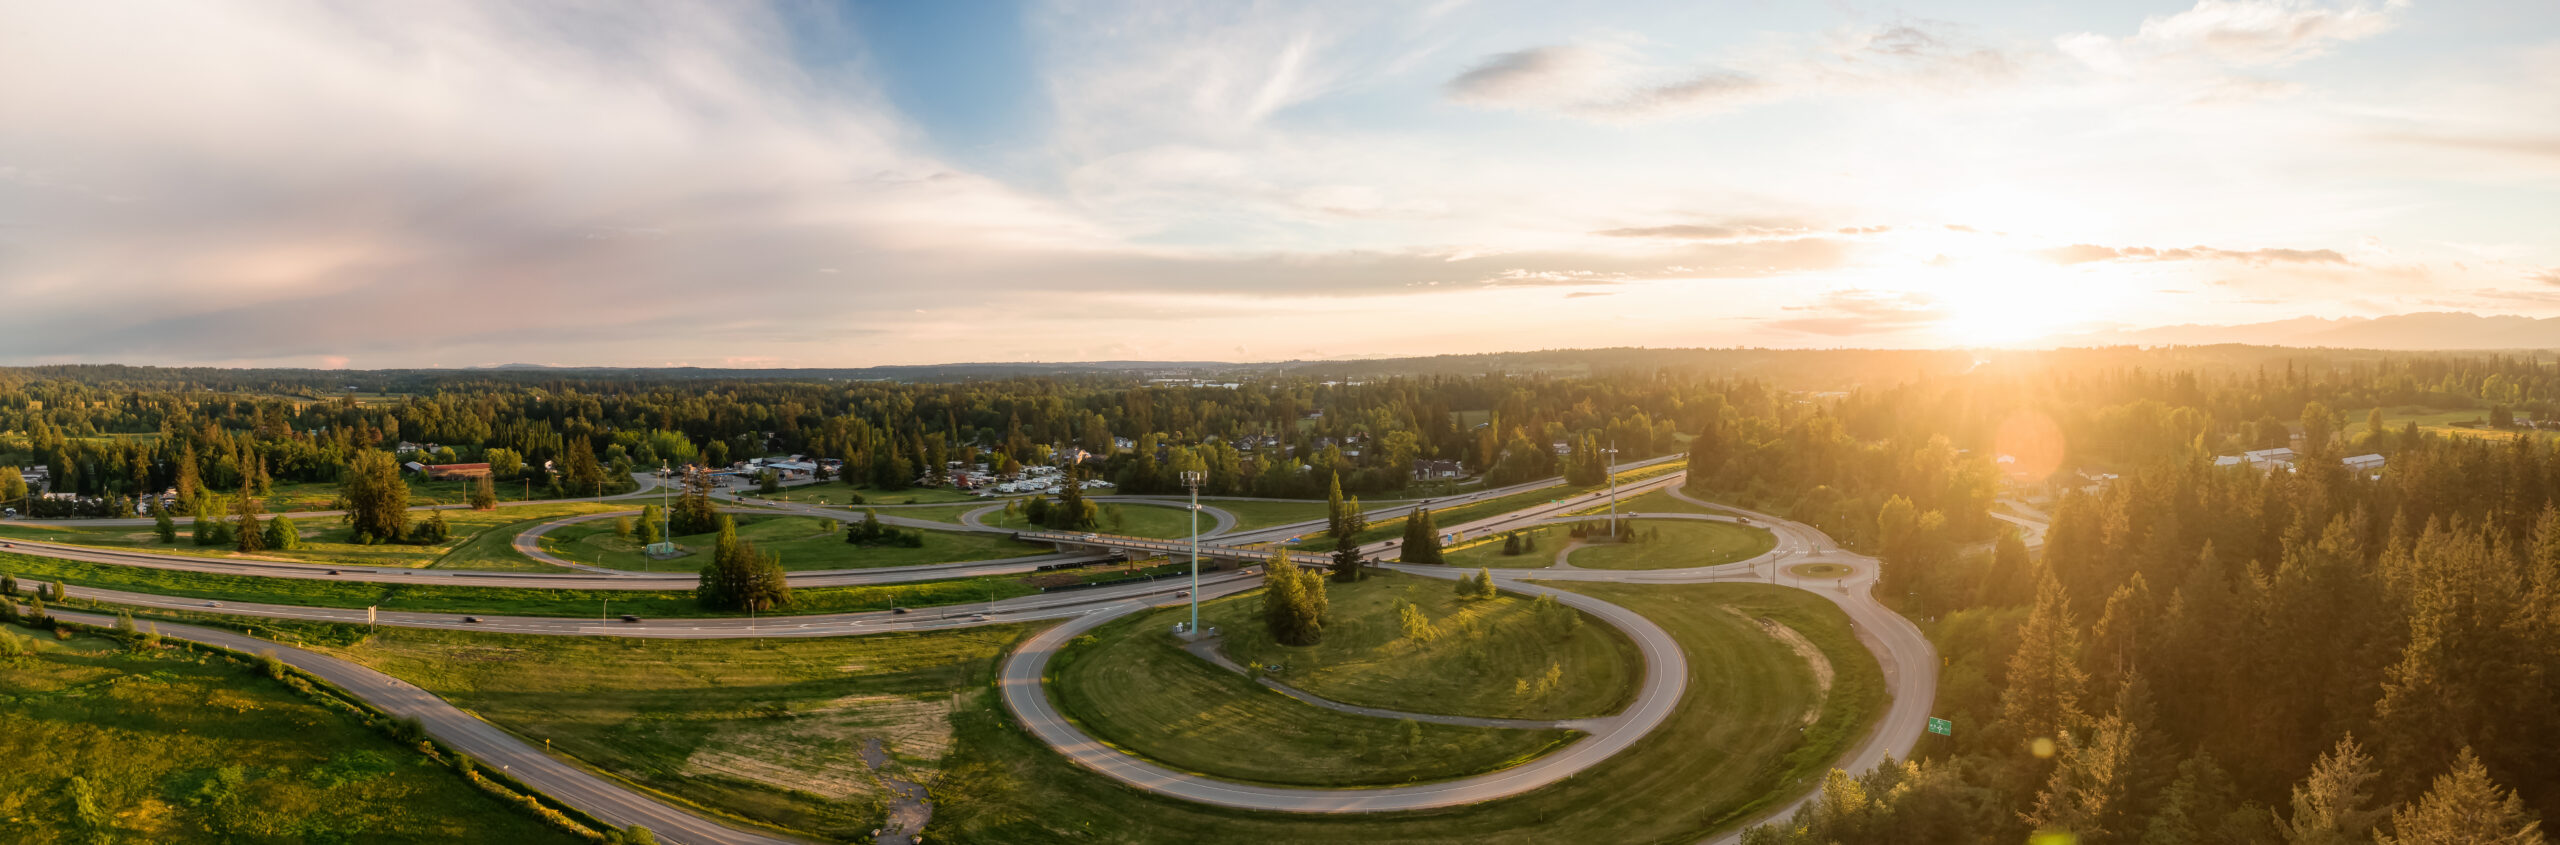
(1470, 668)
(1448, 518)
(325, 539)
(1678, 544)
(1731, 749)
(802, 542)
(1658, 501)
(1487, 553)
(508, 601)
(2460, 422)
(1131, 685)
(1257, 515)
(187, 747)
(1136, 520)
(769, 730)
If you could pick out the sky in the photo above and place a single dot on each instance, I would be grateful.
(733, 184)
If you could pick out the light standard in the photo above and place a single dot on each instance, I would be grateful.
(1191, 478)
(1611, 467)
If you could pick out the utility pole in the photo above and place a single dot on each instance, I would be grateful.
(1191, 478)
(1611, 467)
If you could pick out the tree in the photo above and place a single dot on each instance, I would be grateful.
(1333, 510)
(768, 482)
(694, 513)
(579, 469)
(13, 487)
(505, 463)
(8, 586)
(2010, 580)
(282, 535)
(2465, 808)
(484, 495)
(1421, 538)
(431, 531)
(1416, 626)
(649, 525)
(2090, 786)
(162, 524)
(2334, 806)
(200, 530)
(246, 533)
(739, 577)
(377, 498)
(2045, 679)
(1293, 602)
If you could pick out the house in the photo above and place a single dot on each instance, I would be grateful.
(1430, 470)
(1071, 456)
(2259, 459)
(448, 472)
(414, 466)
(2370, 464)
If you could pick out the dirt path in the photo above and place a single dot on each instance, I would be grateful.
(908, 807)
(1813, 659)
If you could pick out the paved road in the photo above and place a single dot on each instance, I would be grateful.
(1045, 606)
(1666, 678)
(605, 799)
(1907, 659)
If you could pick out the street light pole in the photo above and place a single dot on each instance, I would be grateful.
(1191, 478)
(1612, 468)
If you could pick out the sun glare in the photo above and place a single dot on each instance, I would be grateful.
(2000, 302)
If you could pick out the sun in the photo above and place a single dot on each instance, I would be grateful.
(1999, 302)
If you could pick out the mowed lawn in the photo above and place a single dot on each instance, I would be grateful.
(1678, 544)
(771, 730)
(833, 494)
(1133, 520)
(327, 541)
(323, 495)
(1480, 650)
(1658, 501)
(1731, 749)
(185, 747)
(505, 601)
(1130, 684)
(802, 542)
(1252, 516)
(1487, 554)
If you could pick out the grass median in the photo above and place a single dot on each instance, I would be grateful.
(1129, 683)
(1753, 730)
(800, 542)
(495, 601)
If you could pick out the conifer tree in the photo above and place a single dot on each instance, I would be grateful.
(484, 495)
(2045, 680)
(649, 526)
(1421, 538)
(377, 498)
(162, 525)
(2335, 805)
(2465, 808)
(247, 534)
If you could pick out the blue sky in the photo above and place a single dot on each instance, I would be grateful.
(809, 184)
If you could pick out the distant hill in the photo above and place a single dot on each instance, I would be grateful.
(2425, 331)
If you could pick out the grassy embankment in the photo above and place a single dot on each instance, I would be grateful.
(511, 601)
(1731, 749)
(183, 746)
(802, 543)
(1469, 666)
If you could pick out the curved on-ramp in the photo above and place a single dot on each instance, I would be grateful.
(1666, 679)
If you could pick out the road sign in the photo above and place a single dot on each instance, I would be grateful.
(368, 613)
(1941, 727)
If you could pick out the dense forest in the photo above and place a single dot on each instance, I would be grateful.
(2234, 654)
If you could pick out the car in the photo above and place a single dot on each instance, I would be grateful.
(630, 618)
(1183, 595)
(213, 604)
(1092, 536)
(977, 617)
(471, 619)
(333, 572)
(899, 610)
(1742, 519)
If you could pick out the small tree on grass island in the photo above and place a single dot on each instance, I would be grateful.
(1421, 539)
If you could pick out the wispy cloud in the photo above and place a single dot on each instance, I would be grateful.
(1853, 311)
(2086, 253)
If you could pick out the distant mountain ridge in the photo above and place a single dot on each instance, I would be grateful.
(2433, 330)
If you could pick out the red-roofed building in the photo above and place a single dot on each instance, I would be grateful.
(441, 472)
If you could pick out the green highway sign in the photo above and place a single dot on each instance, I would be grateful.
(1941, 727)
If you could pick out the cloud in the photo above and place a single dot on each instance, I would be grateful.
(1581, 294)
(2232, 33)
(2086, 253)
(1857, 311)
(1716, 232)
(2549, 276)
(1596, 83)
